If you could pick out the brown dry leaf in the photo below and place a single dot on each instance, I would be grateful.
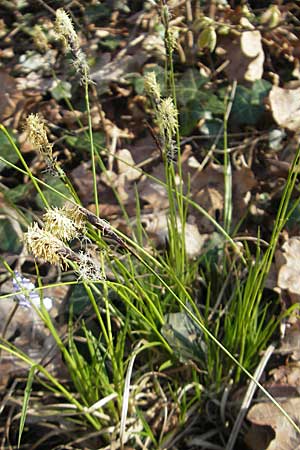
(288, 263)
(207, 190)
(243, 181)
(285, 107)
(126, 165)
(291, 341)
(157, 227)
(288, 375)
(154, 193)
(116, 70)
(13, 101)
(83, 181)
(245, 54)
(267, 414)
(7, 95)
(127, 173)
(143, 149)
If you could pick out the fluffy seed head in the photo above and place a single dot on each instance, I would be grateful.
(90, 268)
(44, 245)
(59, 224)
(173, 38)
(67, 34)
(152, 87)
(40, 39)
(168, 117)
(65, 30)
(37, 135)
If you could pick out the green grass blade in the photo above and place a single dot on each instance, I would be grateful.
(26, 401)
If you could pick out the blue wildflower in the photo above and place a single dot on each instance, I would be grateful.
(28, 296)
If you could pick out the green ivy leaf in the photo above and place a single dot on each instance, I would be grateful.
(183, 336)
(9, 242)
(53, 198)
(7, 152)
(188, 87)
(16, 194)
(248, 105)
(82, 142)
(61, 90)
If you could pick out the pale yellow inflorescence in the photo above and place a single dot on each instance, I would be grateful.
(40, 39)
(173, 38)
(37, 135)
(60, 225)
(168, 117)
(152, 87)
(44, 245)
(65, 30)
(49, 243)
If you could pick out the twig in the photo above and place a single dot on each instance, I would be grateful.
(248, 397)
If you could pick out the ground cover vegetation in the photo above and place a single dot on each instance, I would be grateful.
(149, 224)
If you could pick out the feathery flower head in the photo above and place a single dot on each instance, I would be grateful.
(173, 38)
(152, 87)
(63, 223)
(65, 30)
(44, 245)
(89, 268)
(74, 213)
(168, 117)
(40, 39)
(37, 135)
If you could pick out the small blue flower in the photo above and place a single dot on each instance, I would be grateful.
(29, 296)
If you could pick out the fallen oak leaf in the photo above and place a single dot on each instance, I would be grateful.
(267, 414)
(285, 107)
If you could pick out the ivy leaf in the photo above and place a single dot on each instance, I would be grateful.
(82, 142)
(61, 89)
(189, 85)
(10, 241)
(183, 336)
(248, 105)
(16, 194)
(53, 198)
(7, 152)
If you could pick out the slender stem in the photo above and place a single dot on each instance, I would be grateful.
(87, 101)
(34, 182)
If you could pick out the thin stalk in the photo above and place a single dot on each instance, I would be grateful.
(87, 102)
(28, 172)
(227, 165)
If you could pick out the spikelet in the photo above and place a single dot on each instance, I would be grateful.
(168, 117)
(60, 225)
(66, 33)
(42, 244)
(152, 87)
(37, 135)
(40, 39)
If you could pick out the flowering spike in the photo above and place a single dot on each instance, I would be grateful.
(65, 31)
(46, 246)
(152, 87)
(37, 135)
(61, 223)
